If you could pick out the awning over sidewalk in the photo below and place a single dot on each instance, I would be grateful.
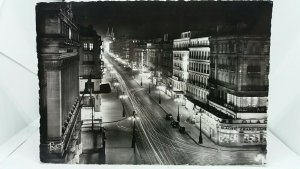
(178, 92)
(208, 108)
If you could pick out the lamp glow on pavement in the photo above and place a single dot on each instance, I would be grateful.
(123, 96)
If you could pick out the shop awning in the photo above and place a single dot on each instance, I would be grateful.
(178, 92)
(209, 108)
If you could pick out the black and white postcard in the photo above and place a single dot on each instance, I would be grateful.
(165, 83)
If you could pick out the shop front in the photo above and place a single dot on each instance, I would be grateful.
(235, 135)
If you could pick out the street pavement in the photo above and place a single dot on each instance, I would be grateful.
(159, 143)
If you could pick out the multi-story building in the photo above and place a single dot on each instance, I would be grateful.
(90, 67)
(198, 72)
(137, 54)
(238, 88)
(58, 62)
(180, 62)
(154, 53)
(167, 63)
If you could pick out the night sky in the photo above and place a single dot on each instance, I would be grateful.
(153, 19)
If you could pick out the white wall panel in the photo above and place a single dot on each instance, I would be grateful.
(18, 87)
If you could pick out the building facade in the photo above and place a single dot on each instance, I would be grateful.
(58, 62)
(137, 55)
(167, 63)
(199, 67)
(238, 87)
(90, 68)
(180, 63)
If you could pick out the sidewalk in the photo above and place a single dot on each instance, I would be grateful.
(118, 129)
(192, 130)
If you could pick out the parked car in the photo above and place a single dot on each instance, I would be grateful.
(181, 129)
(128, 69)
(175, 124)
(169, 117)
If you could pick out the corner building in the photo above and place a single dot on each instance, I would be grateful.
(238, 87)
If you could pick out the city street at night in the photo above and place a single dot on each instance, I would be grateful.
(144, 87)
(159, 143)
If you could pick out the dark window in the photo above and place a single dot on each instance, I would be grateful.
(253, 69)
(89, 86)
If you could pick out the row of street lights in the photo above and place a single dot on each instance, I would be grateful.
(122, 97)
(159, 101)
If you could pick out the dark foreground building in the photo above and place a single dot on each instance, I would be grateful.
(90, 66)
(58, 43)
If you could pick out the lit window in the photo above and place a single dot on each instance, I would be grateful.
(70, 33)
(91, 47)
(85, 46)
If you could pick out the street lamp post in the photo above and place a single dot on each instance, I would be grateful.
(159, 98)
(92, 114)
(121, 98)
(141, 81)
(117, 91)
(200, 129)
(133, 131)
(116, 85)
(178, 117)
(149, 88)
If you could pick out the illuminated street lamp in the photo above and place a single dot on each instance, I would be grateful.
(116, 84)
(200, 128)
(133, 131)
(123, 96)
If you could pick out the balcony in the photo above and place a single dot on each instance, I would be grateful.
(237, 109)
(199, 45)
(178, 68)
(177, 78)
(70, 124)
(198, 84)
(183, 48)
(177, 58)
